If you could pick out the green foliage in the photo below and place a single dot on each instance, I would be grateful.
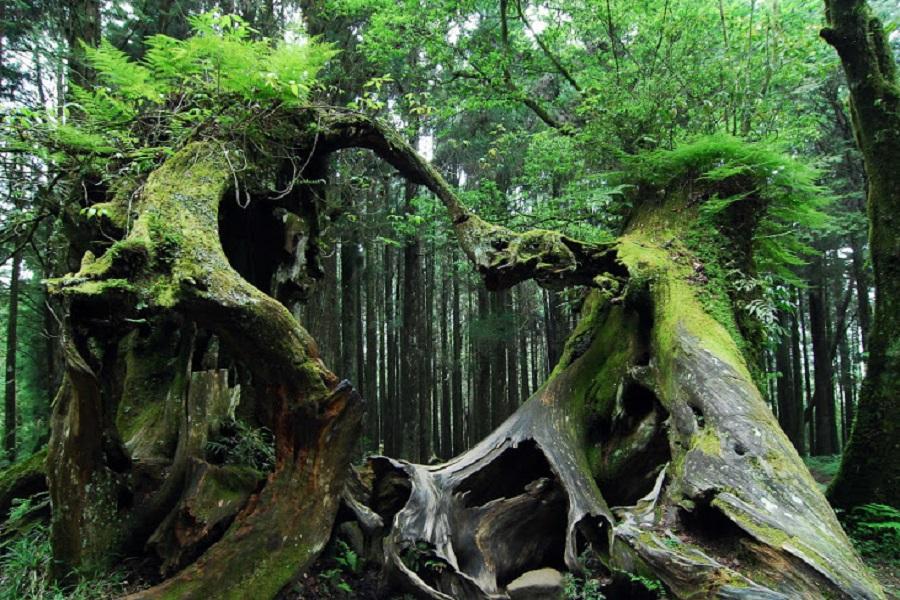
(823, 467)
(25, 561)
(346, 558)
(654, 586)
(210, 83)
(787, 200)
(582, 588)
(238, 443)
(875, 531)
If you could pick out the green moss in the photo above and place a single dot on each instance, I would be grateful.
(224, 490)
(69, 286)
(771, 536)
(13, 476)
(707, 441)
(676, 304)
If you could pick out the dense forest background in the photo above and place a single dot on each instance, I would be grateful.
(532, 110)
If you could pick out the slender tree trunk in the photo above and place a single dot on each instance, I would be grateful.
(510, 347)
(457, 370)
(797, 392)
(481, 396)
(446, 438)
(522, 352)
(414, 415)
(429, 389)
(349, 289)
(12, 346)
(372, 359)
(392, 440)
(499, 385)
(807, 374)
(787, 411)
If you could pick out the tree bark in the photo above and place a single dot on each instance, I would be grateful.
(456, 375)
(413, 419)
(870, 470)
(797, 393)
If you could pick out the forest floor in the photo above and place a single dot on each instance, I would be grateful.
(823, 470)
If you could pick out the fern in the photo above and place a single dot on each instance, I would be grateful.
(790, 198)
(141, 111)
(875, 530)
(131, 81)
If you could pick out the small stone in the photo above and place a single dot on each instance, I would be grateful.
(351, 533)
(543, 584)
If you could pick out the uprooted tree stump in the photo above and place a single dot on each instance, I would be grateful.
(648, 449)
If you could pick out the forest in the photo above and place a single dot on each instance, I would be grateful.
(473, 299)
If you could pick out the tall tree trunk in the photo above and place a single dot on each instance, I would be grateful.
(797, 392)
(12, 347)
(510, 347)
(555, 319)
(870, 470)
(392, 443)
(499, 386)
(414, 415)
(349, 293)
(372, 359)
(807, 382)
(825, 441)
(457, 371)
(444, 367)
(788, 415)
(429, 389)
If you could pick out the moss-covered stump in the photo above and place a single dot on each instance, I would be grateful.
(171, 268)
(653, 409)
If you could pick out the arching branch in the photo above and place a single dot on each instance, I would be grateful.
(503, 257)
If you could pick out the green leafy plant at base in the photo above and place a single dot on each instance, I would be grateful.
(875, 531)
(25, 565)
(581, 588)
(346, 558)
(238, 443)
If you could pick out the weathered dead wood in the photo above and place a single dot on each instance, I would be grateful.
(730, 511)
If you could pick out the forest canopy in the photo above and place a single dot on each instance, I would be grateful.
(500, 299)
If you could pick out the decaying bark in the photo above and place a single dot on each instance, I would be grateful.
(651, 410)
